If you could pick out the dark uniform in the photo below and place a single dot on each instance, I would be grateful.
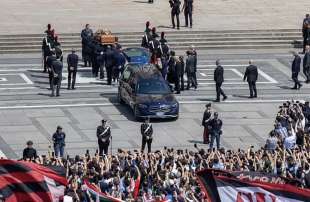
(103, 135)
(47, 46)
(164, 56)
(188, 12)
(57, 67)
(49, 62)
(251, 75)
(154, 47)
(101, 62)
(59, 142)
(215, 125)
(86, 35)
(306, 66)
(109, 63)
(305, 24)
(29, 152)
(219, 79)
(175, 11)
(295, 71)
(190, 70)
(178, 71)
(205, 122)
(147, 136)
(72, 61)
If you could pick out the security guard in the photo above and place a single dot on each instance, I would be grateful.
(59, 142)
(147, 135)
(188, 12)
(56, 74)
(103, 135)
(205, 121)
(219, 79)
(175, 11)
(72, 61)
(164, 54)
(251, 75)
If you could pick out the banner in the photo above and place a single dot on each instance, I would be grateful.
(26, 181)
(224, 186)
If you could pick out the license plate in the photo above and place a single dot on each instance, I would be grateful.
(160, 113)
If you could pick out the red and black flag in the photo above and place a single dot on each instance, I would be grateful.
(25, 181)
(222, 186)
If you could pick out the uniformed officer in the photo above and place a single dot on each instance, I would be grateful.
(86, 35)
(49, 61)
(205, 121)
(295, 70)
(56, 74)
(147, 37)
(154, 46)
(190, 70)
(72, 61)
(59, 142)
(306, 64)
(215, 125)
(251, 75)
(103, 135)
(219, 79)
(164, 54)
(47, 46)
(147, 135)
(175, 11)
(188, 12)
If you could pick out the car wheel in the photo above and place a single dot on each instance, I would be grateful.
(120, 99)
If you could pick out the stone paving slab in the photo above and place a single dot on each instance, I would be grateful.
(28, 16)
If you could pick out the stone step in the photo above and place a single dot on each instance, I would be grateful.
(170, 40)
(181, 47)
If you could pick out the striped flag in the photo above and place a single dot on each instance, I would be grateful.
(25, 181)
(97, 195)
(223, 186)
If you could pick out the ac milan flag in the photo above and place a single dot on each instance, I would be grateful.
(22, 181)
(222, 186)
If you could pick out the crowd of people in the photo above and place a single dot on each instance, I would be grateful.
(170, 173)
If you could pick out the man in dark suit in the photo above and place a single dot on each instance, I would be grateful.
(306, 64)
(147, 135)
(295, 70)
(188, 12)
(103, 135)
(57, 67)
(175, 11)
(72, 60)
(305, 24)
(205, 123)
(219, 79)
(251, 75)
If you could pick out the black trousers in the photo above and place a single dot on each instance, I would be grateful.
(71, 74)
(219, 91)
(191, 80)
(306, 71)
(101, 69)
(109, 74)
(295, 79)
(103, 147)
(149, 144)
(177, 84)
(188, 17)
(56, 81)
(252, 87)
(182, 81)
(172, 19)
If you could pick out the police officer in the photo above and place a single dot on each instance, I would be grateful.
(295, 70)
(29, 152)
(56, 74)
(188, 12)
(251, 75)
(147, 135)
(306, 64)
(86, 35)
(190, 70)
(215, 130)
(205, 123)
(72, 61)
(154, 46)
(47, 46)
(175, 11)
(59, 142)
(103, 135)
(219, 79)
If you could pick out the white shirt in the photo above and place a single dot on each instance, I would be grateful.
(290, 141)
